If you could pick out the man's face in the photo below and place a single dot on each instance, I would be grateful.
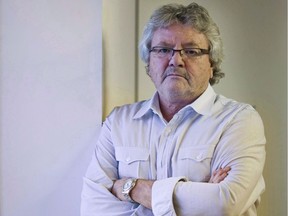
(179, 77)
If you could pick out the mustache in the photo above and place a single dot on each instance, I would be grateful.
(178, 71)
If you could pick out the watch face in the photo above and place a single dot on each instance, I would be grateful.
(127, 185)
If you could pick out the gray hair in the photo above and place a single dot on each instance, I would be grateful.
(194, 15)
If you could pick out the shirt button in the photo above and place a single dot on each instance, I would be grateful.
(199, 157)
(168, 131)
(127, 159)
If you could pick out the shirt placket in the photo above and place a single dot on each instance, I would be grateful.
(166, 148)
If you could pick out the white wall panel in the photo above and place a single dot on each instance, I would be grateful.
(51, 103)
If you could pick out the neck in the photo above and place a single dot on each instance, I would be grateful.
(170, 104)
(169, 109)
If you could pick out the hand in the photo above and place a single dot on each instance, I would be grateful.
(219, 175)
(117, 188)
(141, 193)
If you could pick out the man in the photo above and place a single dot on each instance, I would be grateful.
(171, 155)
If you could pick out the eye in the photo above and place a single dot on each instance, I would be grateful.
(192, 52)
(163, 50)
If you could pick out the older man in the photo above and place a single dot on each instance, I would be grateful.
(171, 155)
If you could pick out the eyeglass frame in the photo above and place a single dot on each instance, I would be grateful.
(202, 51)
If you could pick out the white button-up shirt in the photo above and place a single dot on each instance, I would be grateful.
(212, 132)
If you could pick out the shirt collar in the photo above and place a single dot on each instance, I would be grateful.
(204, 103)
(148, 106)
(201, 105)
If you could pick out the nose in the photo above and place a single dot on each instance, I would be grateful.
(176, 59)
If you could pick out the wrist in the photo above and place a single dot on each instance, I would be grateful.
(127, 188)
(142, 192)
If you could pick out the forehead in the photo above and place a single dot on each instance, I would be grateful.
(178, 34)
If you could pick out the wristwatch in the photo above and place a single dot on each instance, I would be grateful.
(127, 187)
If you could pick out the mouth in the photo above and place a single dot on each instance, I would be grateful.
(173, 75)
(173, 72)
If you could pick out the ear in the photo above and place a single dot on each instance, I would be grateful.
(211, 68)
(211, 73)
(147, 70)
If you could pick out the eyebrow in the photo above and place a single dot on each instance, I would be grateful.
(189, 44)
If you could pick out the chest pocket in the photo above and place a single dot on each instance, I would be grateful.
(196, 153)
(132, 161)
(195, 162)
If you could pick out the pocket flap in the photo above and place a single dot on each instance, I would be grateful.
(197, 153)
(131, 154)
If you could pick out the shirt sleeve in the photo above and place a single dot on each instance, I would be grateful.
(96, 197)
(162, 197)
(242, 147)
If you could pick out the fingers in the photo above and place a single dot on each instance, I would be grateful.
(222, 171)
(219, 175)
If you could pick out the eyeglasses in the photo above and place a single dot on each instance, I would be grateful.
(164, 52)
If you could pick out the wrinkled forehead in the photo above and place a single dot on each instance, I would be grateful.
(178, 34)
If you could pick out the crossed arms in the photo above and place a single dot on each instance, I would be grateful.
(142, 192)
(241, 147)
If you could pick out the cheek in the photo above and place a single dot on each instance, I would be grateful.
(201, 70)
(156, 70)
(157, 65)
